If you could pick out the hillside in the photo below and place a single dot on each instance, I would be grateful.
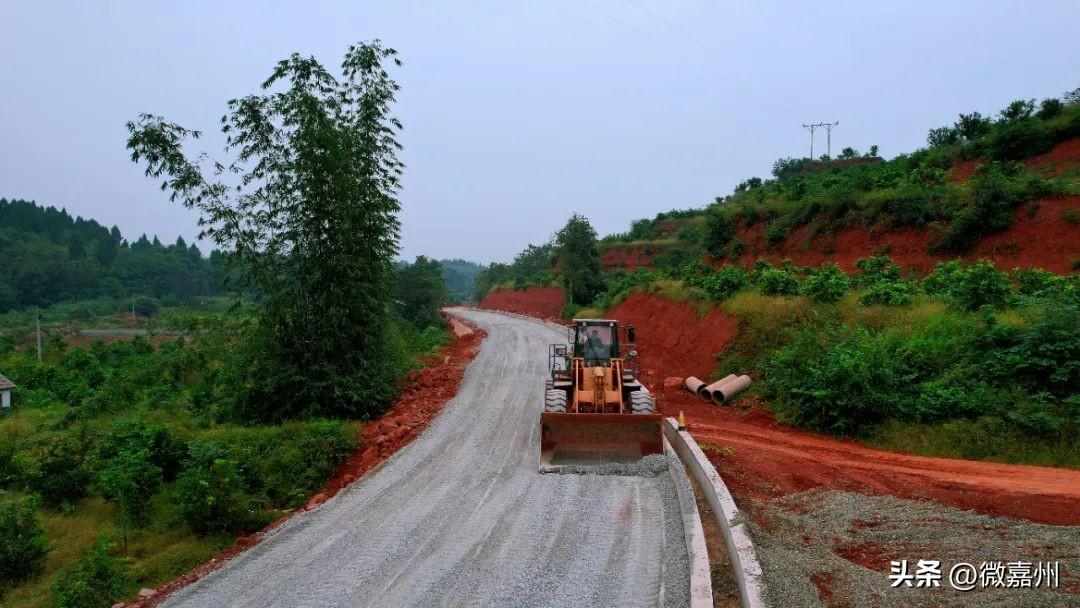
(924, 304)
(49, 256)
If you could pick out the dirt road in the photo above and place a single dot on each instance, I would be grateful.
(462, 517)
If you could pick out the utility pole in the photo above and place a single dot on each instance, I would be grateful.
(811, 129)
(828, 137)
(39, 336)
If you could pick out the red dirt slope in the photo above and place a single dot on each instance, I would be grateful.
(543, 302)
(1039, 237)
(1042, 239)
(671, 336)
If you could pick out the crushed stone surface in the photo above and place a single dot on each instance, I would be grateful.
(462, 517)
(834, 548)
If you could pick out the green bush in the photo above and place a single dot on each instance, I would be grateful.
(58, 472)
(212, 494)
(568, 311)
(1038, 282)
(889, 293)
(23, 544)
(777, 282)
(883, 282)
(826, 284)
(165, 451)
(840, 382)
(719, 231)
(723, 283)
(969, 286)
(94, 581)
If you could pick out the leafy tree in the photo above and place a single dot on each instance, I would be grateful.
(719, 231)
(579, 261)
(129, 480)
(972, 126)
(23, 544)
(311, 233)
(1049, 108)
(1018, 110)
(421, 291)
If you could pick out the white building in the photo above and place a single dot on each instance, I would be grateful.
(5, 393)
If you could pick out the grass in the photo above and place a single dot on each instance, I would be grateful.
(983, 439)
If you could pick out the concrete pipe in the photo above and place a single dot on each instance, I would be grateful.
(709, 392)
(730, 390)
(694, 385)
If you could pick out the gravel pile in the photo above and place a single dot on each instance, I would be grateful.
(649, 466)
(832, 548)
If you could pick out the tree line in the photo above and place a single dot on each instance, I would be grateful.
(50, 256)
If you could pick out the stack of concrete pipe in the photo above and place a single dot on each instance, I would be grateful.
(721, 391)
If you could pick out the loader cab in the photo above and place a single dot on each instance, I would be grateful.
(596, 340)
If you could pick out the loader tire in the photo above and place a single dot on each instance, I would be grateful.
(555, 401)
(642, 403)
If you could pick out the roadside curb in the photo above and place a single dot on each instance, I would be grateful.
(736, 537)
(701, 594)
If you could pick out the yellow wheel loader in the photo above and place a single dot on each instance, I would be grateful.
(596, 411)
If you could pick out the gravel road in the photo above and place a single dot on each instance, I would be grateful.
(461, 517)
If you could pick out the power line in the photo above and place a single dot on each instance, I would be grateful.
(667, 23)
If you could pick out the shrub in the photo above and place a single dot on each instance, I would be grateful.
(212, 494)
(826, 284)
(23, 545)
(1040, 283)
(95, 580)
(996, 189)
(1018, 139)
(722, 284)
(876, 269)
(777, 282)
(165, 450)
(840, 382)
(568, 311)
(719, 231)
(889, 293)
(969, 286)
(58, 472)
(776, 233)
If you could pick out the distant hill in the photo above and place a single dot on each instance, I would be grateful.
(1004, 187)
(460, 277)
(49, 256)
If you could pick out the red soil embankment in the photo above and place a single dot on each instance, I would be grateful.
(543, 302)
(627, 257)
(423, 395)
(770, 459)
(1063, 157)
(1039, 237)
(671, 336)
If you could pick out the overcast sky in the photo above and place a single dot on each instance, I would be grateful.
(519, 113)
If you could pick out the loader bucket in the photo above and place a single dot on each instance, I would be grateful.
(588, 440)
